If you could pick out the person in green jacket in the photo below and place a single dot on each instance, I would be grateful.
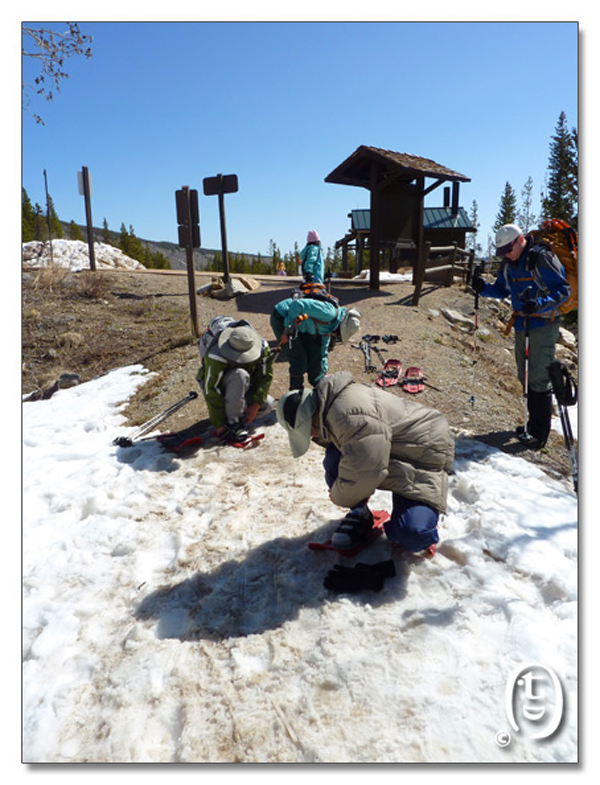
(305, 328)
(235, 375)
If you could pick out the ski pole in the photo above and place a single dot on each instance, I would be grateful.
(378, 352)
(366, 347)
(127, 441)
(437, 389)
(565, 392)
(526, 436)
(476, 274)
(472, 399)
(569, 443)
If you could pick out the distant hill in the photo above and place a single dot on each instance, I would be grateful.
(175, 255)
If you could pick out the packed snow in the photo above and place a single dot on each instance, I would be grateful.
(74, 255)
(173, 613)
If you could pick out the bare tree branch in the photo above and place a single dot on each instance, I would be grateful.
(50, 49)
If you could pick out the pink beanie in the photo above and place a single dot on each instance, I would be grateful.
(313, 237)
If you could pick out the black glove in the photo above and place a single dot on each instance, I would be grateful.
(477, 283)
(529, 307)
(359, 578)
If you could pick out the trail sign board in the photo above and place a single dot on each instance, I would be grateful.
(221, 184)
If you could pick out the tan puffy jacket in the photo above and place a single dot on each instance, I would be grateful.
(386, 442)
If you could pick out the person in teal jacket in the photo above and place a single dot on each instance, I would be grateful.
(311, 259)
(305, 327)
(235, 375)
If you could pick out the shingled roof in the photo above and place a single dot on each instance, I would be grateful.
(356, 170)
(433, 218)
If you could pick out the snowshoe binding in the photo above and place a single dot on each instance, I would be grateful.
(355, 533)
(235, 435)
(390, 374)
(413, 381)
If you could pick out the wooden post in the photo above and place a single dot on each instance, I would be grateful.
(360, 244)
(48, 218)
(453, 255)
(418, 228)
(87, 195)
(226, 276)
(375, 231)
(420, 271)
(189, 256)
(345, 257)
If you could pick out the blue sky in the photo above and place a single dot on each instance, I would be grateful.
(165, 104)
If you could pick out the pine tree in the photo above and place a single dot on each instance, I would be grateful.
(507, 213)
(75, 232)
(55, 225)
(471, 241)
(526, 217)
(156, 260)
(105, 232)
(136, 247)
(28, 219)
(124, 240)
(275, 255)
(40, 225)
(561, 196)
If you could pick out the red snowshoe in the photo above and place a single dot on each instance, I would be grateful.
(390, 374)
(413, 381)
(380, 517)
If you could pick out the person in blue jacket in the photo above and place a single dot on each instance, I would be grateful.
(311, 259)
(534, 279)
(306, 327)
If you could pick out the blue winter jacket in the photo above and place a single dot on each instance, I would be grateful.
(313, 266)
(539, 271)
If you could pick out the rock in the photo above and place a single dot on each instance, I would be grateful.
(567, 339)
(250, 283)
(454, 317)
(231, 289)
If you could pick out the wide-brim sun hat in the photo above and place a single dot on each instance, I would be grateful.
(295, 411)
(350, 324)
(505, 237)
(240, 344)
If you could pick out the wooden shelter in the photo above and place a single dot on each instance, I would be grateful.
(397, 184)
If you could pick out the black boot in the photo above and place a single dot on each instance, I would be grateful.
(296, 381)
(235, 432)
(539, 406)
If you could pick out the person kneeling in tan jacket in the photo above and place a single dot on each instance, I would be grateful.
(374, 440)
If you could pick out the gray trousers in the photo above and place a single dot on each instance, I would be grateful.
(542, 342)
(238, 395)
(236, 386)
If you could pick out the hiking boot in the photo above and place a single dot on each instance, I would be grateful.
(235, 432)
(528, 440)
(354, 529)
